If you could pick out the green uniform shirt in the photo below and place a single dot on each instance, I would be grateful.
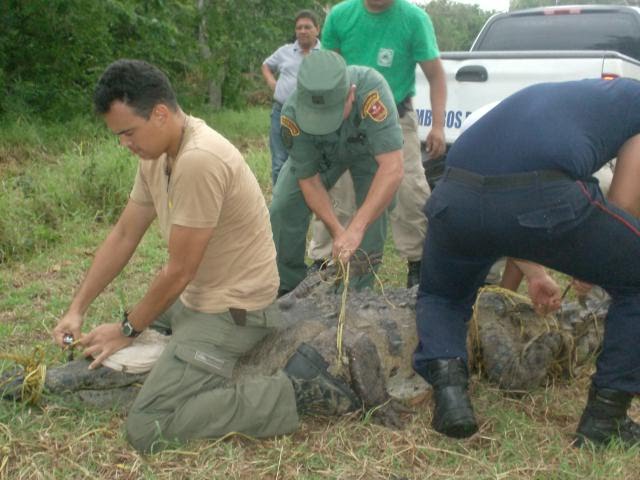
(392, 41)
(371, 129)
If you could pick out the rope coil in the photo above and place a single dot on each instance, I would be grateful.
(35, 372)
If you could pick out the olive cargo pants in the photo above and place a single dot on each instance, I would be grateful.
(189, 394)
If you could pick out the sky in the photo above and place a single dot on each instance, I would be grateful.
(498, 5)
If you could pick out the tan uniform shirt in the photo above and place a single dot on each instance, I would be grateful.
(212, 186)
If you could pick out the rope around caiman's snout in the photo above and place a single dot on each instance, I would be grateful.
(35, 372)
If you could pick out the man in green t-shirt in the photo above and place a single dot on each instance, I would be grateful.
(339, 118)
(392, 36)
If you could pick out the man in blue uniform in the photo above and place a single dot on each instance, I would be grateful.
(519, 183)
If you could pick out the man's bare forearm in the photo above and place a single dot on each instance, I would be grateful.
(318, 200)
(383, 187)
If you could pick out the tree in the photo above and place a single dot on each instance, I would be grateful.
(52, 51)
(456, 24)
(521, 4)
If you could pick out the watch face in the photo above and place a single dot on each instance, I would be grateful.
(127, 329)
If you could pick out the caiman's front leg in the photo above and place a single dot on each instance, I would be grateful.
(368, 380)
(363, 373)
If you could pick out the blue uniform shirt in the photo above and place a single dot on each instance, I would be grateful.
(575, 127)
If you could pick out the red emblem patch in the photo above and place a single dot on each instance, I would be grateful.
(290, 125)
(374, 108)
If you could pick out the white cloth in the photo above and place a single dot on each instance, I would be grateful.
(141, 355)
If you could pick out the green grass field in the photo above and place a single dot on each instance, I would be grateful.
(60, 188)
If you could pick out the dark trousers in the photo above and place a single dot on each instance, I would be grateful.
(564, 224)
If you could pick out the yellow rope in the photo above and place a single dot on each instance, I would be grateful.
(35, 372)
(342, 318)
(343, 274)
(550, 323)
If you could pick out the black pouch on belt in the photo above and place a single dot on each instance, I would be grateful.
(404, 106)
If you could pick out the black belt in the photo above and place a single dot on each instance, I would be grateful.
(404, 106)
(511, 180)
(239, 316)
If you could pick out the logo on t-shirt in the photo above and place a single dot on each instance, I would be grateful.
(385, 57)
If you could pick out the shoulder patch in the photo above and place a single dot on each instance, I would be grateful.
(374, 108)
(290, 125)
(289, 130)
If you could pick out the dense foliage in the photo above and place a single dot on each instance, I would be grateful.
(52, 51)
(520, 4)
(456, 24)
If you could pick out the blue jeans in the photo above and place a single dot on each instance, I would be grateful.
(279, 153)
(564, 224)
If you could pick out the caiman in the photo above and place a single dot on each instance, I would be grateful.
(509, 344)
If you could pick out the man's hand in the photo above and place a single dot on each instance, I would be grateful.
(436, 144)
(71, 323)
(545, 294)
(102, 341)
(346, 243)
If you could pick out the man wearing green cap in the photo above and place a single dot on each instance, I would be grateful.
(392, 36)
(339, 118)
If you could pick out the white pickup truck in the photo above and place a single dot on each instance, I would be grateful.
(517, 49)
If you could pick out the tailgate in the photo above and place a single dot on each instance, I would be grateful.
(477, 78)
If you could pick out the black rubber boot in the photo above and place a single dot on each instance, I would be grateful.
(317, 391)
(413, 273)
(605, 419)
(453, 415)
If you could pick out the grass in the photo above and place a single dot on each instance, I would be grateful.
(526, 437)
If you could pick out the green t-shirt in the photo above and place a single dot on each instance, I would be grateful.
(372, 128)
(392, 41)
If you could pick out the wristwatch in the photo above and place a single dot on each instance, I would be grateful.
(127, 329)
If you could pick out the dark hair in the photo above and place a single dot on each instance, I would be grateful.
(307, 14)
(135, 83)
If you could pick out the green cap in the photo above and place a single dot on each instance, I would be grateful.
(322, 90)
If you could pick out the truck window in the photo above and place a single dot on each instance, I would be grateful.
(608, 30)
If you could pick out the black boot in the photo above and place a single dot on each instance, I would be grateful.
(317, 391)
(413, 273)
(453, 414)
(605, 418)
